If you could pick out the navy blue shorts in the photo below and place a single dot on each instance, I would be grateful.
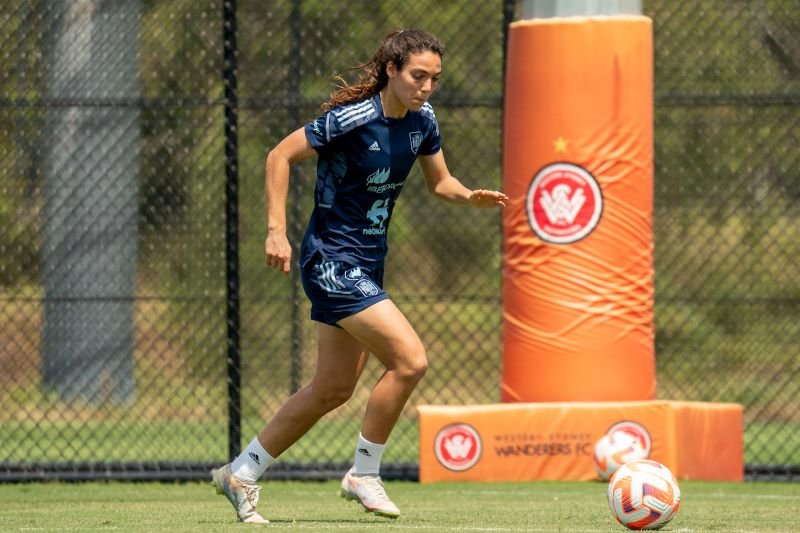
(339, 289)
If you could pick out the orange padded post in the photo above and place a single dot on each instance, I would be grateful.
(578, 166)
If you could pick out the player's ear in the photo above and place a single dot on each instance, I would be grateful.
(391, 70)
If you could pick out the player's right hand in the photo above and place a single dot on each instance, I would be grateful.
(278, 251)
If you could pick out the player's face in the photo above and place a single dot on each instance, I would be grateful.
(415, 83)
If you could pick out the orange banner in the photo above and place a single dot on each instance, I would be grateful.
(578, 166)
(555, 441)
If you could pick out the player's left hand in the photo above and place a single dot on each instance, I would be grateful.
(482, 198)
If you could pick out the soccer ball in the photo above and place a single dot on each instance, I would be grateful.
(621, 444)
(643, 494)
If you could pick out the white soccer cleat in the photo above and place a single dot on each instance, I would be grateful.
(369, 492)
(242, 495)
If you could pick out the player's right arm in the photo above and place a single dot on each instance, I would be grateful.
(292, 149)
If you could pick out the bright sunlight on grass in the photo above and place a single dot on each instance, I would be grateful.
(315, 506)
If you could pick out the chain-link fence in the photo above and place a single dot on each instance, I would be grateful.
(727, 224)
(139, 329)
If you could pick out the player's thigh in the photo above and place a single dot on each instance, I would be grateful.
(340, 357)
(384, 330)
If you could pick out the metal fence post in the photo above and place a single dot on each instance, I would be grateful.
(232, 227)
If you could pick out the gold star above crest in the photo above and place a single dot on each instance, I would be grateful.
(560, 144)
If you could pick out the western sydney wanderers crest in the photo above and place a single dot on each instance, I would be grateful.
(457, 447)
(637, 431)
(415, 138)
(564, 203)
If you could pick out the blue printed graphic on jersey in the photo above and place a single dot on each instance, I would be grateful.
(364, 160)
(331, 172)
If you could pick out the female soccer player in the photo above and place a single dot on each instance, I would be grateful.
(366, 142)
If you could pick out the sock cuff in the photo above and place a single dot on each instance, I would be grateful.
(370, 443)
(252, 462)
(255, 446)
(368, 456)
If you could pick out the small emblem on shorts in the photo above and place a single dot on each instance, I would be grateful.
(367, 287)
(354, 273)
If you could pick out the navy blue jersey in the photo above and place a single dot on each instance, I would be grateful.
(364, 160)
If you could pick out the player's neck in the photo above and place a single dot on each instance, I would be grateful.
(392, 108)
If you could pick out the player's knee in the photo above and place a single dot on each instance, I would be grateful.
(330, 397)
(416, 364)
(420, 368)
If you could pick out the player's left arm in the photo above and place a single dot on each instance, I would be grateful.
(446, 187)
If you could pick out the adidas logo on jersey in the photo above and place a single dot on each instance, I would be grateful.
(374, 147)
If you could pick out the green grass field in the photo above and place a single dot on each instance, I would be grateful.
(315, 506)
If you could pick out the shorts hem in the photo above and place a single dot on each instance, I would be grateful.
(331, 319)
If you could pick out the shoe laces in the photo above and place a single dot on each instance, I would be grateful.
(376, 484)
(252, 494)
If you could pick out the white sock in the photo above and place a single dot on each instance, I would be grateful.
(252, 462)
(368, 457)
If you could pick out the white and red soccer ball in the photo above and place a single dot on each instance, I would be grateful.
(624, 441)
(643, 494)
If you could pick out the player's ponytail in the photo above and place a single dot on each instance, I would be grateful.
(395, 48)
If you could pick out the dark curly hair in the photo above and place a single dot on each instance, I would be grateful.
(395, 48)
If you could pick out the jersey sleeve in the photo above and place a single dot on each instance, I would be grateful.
(432, 139)
(341, 119)
(319, 132)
